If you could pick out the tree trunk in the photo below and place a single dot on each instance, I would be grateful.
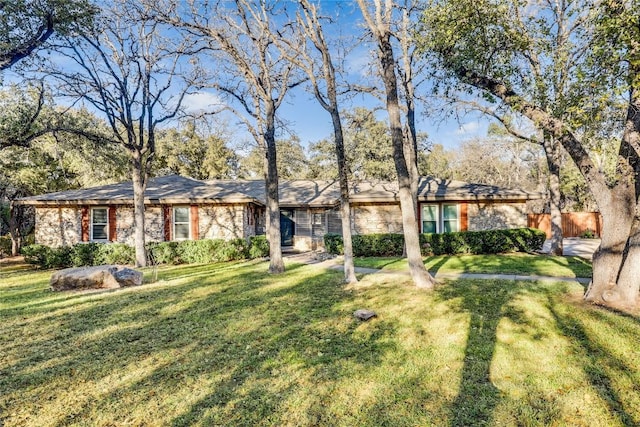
(608, 258)
(139, 187)
(419, 273)
(14, 229)
(345, 209)
(552, 154)
(276, 263)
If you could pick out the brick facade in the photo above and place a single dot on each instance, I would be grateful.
(63, 226)
(488, 216)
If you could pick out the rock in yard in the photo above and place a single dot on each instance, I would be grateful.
(364, 315)
(98, 277)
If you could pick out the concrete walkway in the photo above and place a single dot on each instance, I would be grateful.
(453, 276)
(574, 246)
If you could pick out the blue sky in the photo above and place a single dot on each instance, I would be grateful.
(311, 123)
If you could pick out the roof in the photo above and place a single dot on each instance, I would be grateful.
(433, 189)
(175, 189)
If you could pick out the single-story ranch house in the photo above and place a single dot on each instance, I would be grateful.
(179, 208)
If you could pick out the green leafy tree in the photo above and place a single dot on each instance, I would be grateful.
(367, 148)
(292, 160)
(190, 153)
(478, 44)
(27, 25)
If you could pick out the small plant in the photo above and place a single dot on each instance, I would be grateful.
(588, 234)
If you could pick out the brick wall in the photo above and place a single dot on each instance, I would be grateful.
(58, 226)
(222, 221)
(487, 216)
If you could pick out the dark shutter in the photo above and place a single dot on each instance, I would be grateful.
(464, 219)
(112, 224)
(166, 214)
(195, 234)
(84, 223)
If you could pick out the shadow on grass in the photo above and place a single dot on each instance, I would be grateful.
(485, 301)
(239, 337)
(598, 360)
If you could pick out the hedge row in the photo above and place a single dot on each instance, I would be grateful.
(182, 252)
(464, 242)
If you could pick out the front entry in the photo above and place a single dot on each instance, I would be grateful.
(287, 227)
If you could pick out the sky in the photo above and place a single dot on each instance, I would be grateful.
(306, 119)
(310, 122)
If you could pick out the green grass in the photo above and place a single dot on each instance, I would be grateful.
(229, 344)
(524, 264)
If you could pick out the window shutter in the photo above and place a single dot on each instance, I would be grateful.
(166, 213)
(112, 224)
(464, 219)
(194, 223)
(84, 223)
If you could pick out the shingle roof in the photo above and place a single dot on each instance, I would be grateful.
(433, 189)
(174, 189)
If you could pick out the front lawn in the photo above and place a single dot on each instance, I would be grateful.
(231, 345)
(525, 264)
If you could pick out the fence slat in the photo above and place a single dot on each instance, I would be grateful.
(574, 224)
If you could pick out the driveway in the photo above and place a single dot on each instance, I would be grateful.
(575, 246)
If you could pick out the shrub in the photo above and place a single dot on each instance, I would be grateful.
(163, 253)
(378, 244)
(46, 257)
(195, 251)
(5, 246)
(258, 247)
(230, 250)
(84, 254)
(115, 253)
(588, 234)
(334, 244)
(465, 242)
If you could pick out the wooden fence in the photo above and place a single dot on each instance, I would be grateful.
(574, 224)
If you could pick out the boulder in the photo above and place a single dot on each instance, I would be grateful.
(364, 315)
(98, 277)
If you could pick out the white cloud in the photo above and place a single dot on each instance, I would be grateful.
(467, 129)
(201, 101)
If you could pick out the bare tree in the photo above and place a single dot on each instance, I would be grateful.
(378, 20)
(257, 73)
(130, 72)
(313, 55)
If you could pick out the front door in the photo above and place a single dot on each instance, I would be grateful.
(287, 227)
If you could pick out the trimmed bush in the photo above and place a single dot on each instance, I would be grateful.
(115, 253)
(333, 243)
(84, 254)
(163, 253)
(196, 251)
(465, 242)
(378, 244)
(258, 247)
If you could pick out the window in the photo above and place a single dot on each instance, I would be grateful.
(440, 218)
(181, 223)
(317, 224)
(450, 218)
(100, 224)
(430, 219)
